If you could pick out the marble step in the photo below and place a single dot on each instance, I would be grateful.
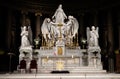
(89, 71)
(71, 68)
(79, 72)
(74, 70)
(60, 76)
(68, 67)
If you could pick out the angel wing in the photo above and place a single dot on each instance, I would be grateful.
(97, 30)
(74, 26)
(30, 35)
(88, 34)
(22, 29)
(52, 30)
(45, 28)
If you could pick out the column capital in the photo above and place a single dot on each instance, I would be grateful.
(24, 12)
(38, 28)
(38, 14)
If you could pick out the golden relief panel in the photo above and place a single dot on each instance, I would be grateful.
(60, 50)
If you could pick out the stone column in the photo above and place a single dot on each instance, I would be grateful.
(110, 31)
(24, 13)
(38, 28)
(119, 36)
(110, 42)
(8, 33)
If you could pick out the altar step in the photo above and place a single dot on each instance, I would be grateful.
(60, 76)
(71, 69)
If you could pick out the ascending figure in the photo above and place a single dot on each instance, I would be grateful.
(24, 37)
(92, 36)
(59, 15)
(57, 28)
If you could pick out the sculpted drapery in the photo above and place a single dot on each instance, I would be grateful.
(92, 36)
(58, 28)
(26, 36)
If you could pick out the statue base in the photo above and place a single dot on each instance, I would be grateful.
(26, 54)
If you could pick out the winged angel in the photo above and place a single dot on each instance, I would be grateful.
(26, 36)
(92, 36)
(51, 30)
(55, 28)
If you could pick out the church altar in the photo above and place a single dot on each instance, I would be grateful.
(59, 51)
(73, 58)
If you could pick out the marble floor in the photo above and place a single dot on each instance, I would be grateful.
(60, 76)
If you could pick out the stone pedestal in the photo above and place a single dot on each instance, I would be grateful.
(94, 57)
(26, 53)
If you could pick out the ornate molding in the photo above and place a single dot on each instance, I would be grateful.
(38, 14)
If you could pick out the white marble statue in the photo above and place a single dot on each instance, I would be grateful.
(30, 35)
(72, 26)
(57, 28)
(92, 36)
(25, 42)
(45, 28)
(59, 15)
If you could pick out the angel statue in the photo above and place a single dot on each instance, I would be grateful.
(54, 30)
(46, 29)
(92, 36)
(72, 26)
(26, 37)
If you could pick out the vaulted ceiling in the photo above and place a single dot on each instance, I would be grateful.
(68, 5)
